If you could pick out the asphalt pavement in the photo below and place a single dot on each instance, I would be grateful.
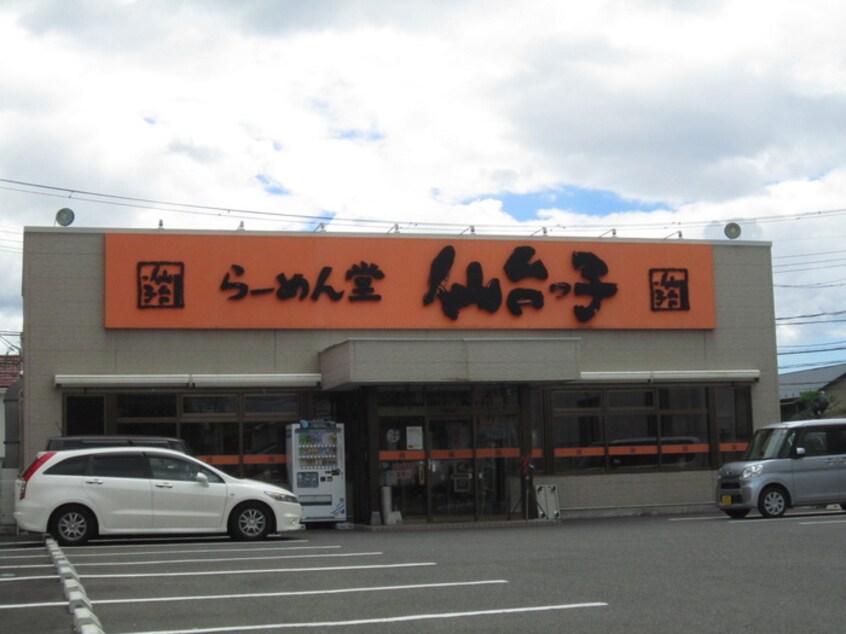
(693, 573)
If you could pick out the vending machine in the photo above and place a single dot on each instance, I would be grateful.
(316, 469)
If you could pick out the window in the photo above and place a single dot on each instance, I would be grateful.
(146, 405)
(119, 466)
(85, 415)
(169, 468)
(635, 429)
(75, 466)
(815, 442)
(208, 405)
(272, 403)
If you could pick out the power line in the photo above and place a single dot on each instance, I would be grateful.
(160, 205)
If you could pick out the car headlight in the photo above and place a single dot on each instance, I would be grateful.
(752, 471)
(282, 497)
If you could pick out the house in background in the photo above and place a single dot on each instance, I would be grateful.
(10, 371)
(829, 379)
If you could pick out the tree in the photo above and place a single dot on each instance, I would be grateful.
(817, 404)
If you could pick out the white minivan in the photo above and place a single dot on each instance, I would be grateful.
(795, 463)
(77, 494)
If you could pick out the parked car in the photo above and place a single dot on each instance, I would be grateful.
(798, 463)
(77, 494)
(62, 443)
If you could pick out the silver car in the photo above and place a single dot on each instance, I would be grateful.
(797, 463)
(77, 494)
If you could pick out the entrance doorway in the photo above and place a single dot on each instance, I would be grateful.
(451, 467)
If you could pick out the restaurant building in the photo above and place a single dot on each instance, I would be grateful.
(619, 374)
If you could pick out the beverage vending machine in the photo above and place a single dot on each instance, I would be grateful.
(316, 469)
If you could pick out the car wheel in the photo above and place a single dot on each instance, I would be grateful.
(250, 521)
(737, 514)
(72, 525)
(773, 502)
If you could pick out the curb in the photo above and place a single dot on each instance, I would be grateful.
(79, 605)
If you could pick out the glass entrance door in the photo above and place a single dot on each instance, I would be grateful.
(448, 457)
(452, 475)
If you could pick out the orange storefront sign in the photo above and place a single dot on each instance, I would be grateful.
(248, 281)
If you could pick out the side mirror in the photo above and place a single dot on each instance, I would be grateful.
(800, 452)
(202, 478)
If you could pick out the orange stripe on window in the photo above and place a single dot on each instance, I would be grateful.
(697, 448)
(216, 460)
(271, 458)
(452, 454)
(577, 452)
(633, 450)
(727, 447)
(499, 452)
(387, 456)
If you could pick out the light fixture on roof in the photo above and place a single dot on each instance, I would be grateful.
(732, 231)
(613, 233)
(542, 230)
(241, 226)
(64, 217)
(161, 223)
(674, 233)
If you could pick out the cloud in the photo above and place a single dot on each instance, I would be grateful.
(640, 115)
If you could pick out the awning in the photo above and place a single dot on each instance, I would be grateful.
(186, 380)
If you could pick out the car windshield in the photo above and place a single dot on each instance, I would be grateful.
(770, 443)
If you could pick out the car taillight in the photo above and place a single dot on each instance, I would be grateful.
(31, 469)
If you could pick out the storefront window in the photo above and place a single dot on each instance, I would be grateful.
(402, 464)
(209, 404)
(684, 441)
(399, 397)
(496, 398)
(576, 399)
(148, 429)
(579, 443)
(632, 441)
(265, 451)
(216, 442)
(631, 399)
(146, 405)
(619, 429)
(682, 398)
(734, 421)
(272, 404)
(448, 398)
(85, 415)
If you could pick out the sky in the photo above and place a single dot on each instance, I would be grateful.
(635, 118)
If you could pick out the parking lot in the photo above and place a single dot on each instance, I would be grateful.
(702, 573)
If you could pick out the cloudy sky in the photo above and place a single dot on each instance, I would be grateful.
(649, 117)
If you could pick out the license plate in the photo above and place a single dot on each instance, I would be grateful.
(725, 500)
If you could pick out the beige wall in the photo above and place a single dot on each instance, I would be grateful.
(64, 334)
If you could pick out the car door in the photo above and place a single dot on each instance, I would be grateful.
(180, 501)
(816, 477)
(118, 488)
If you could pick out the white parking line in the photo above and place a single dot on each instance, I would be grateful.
(394, 619)
(265, 595)
(123, 542)
(209, 573)
(222, 559)
(305, 593)
(823, 522)
(135, 553)
(163, 562)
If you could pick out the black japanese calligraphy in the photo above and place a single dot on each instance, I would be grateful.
(487, 297)
(297, 287)
(592, 269)
(519, 267)
(161, 285)
(669, 289)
